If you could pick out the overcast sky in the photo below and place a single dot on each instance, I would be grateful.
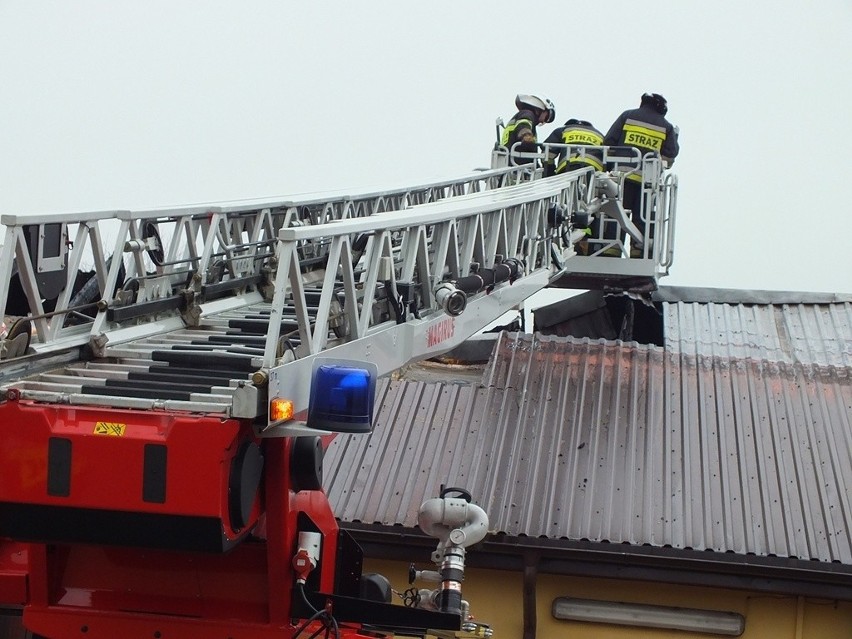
(118, 104)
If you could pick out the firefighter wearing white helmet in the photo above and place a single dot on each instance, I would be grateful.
(532, 111)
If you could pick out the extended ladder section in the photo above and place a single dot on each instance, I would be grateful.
(218, 308)
(205, 256)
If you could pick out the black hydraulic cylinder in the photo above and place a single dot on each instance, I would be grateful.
(484, 278)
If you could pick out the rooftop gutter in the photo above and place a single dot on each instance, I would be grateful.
(777, 575)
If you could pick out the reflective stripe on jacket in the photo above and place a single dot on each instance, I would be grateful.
(646, 130)
(577, 135)
(521, 128)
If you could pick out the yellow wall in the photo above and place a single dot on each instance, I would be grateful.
(495, 598)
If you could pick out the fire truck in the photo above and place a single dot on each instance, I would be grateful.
(162, 425)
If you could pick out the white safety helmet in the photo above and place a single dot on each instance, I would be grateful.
(534, 102)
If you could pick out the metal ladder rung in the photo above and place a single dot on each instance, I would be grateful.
(145, 393)
(202, 360)
(134, 384)
(106, 367)
(168, 376)
(261, 327)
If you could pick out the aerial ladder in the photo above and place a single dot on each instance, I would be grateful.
(162, 427)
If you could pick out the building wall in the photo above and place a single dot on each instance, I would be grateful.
(495, 598)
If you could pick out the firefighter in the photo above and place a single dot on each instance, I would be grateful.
(647, 130)
(532, 111)
(576, 133)
(579, 133)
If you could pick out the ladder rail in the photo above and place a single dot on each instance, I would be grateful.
(181, 255)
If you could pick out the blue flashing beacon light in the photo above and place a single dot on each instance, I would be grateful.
(343, 395)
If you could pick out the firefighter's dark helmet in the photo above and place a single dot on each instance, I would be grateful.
(656, 101)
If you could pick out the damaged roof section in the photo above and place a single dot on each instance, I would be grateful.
(734, 437)
(598, 314)
(810, 328)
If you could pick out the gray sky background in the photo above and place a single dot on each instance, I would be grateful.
(118, 104)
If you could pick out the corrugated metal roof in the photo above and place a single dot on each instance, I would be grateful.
(791, 333)
(735, 438)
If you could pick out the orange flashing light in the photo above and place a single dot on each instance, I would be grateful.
(280, 409)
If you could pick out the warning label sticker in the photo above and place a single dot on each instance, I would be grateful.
(111, 429)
